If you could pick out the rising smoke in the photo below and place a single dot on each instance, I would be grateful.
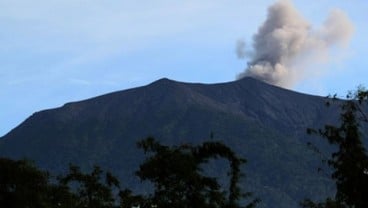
(287, 49)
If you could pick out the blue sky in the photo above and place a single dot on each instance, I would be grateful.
(57, 51)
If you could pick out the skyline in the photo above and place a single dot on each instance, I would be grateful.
(65, 51)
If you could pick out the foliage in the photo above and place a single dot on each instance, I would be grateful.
(178, 180)
(175, 172)
(350, 162)
(23, 185)
(129, 200)
(89, 189)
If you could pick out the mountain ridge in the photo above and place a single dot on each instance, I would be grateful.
(263, 123)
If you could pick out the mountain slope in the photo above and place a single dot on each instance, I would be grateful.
(262, 123)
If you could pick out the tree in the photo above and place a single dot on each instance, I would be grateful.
(24, 185)
(129, 200)
(178, 180)
(90, 189)
(175, 172)
(349, 162)
(16, 190)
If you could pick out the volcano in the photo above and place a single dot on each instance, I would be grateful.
(260, 122)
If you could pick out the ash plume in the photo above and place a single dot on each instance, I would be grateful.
(287, 49)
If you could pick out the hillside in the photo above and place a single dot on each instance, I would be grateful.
(263, 123)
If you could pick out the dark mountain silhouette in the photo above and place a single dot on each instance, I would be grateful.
(263, 123)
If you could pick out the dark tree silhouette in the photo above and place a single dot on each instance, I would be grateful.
(350, 162)
(24, 185)
(91, 190)
(16, 188)
(129, 200)
(175, 172)
(177, 178)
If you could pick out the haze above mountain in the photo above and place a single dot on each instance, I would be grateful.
(262, 123)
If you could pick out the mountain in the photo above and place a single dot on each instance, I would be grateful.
(262, 123)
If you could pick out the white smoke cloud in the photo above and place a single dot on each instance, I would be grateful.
(287, 49)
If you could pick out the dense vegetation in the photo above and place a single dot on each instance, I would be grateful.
(174, 171)
(349, 162)
(22, 185)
